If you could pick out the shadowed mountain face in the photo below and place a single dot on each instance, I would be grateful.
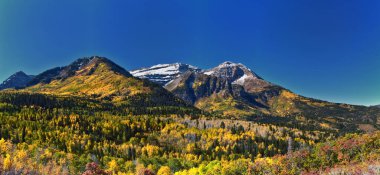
(17, 80)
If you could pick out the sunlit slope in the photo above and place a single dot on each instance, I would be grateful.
(100, 78)
(234, 91)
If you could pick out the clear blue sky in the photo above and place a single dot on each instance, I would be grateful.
(326, 49)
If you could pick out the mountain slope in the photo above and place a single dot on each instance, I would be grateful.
(100, 78)
(233, 90)
(230, 89)
(17, 80)
(163, 73)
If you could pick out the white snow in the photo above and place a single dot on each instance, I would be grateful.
(80, 66)
(208, 72)
(156, 70)
(169, 82)
(231, 64)
(161, 65)
(225, 65)
(160, 69)
(241, 80)
(163, 73)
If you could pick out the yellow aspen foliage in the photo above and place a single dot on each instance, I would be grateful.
(20, 158)
(4, 146)
(164, 170)
(191, 157)
(152, 167)
(190, 147)
(47, 154)
(193, 171)
(112, 166)
(139, 168)
(7, 162)
(150, 150)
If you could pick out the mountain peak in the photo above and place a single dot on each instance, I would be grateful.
(16, 80)
(230, 70)
(81, 66)
(95, 76)
(81, 62)
(90, 64)
(227, 64)
(20, 73)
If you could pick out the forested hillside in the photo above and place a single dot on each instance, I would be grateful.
(63, 134)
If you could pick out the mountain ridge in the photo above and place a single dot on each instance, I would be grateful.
(230, 89)
(233, 90)
(163, 73)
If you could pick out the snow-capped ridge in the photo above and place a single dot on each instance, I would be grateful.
(229, 69)
(163, 73)
(231, 64)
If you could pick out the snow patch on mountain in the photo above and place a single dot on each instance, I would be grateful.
(209, 72)
(230, 70)
(241, 80)
(163, 73)
(229, 64)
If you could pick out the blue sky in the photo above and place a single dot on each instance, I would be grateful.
(326, 49)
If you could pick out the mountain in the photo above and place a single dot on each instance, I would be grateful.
(101, 79)
(233, 90)
(80, 67)
(230, 89)
(163, 73)
(17, 80)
